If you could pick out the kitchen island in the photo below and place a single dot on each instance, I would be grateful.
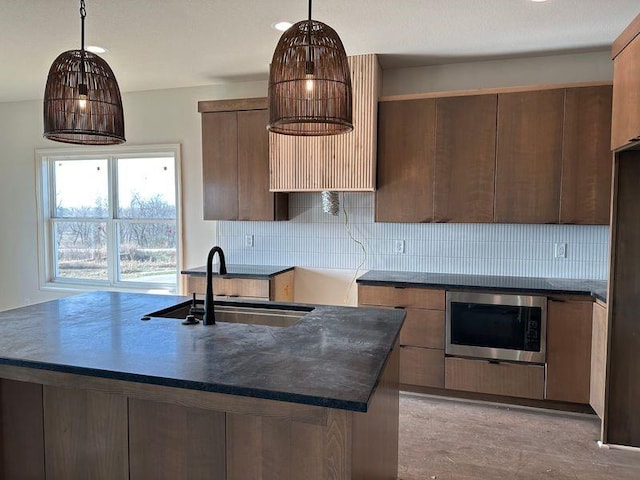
(89, 390)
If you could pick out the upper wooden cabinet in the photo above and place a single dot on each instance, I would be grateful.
(465, 156)
(235, 162)
(344, 162)
(529, 156)
(625, 125)
(406, 142)
(586, 157)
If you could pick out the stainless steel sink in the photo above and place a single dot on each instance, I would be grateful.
(238, 313)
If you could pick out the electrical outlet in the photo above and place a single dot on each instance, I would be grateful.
(560, 250)
(248, 241)
(398, 247)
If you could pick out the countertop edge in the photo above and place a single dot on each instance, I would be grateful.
(199, 272)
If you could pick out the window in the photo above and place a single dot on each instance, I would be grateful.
(109, 218)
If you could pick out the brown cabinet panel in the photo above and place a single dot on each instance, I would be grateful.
(171, 441)
(406, 142)
(422, 366)
(622, 419)
(625, 126)
(529, 156)
(265, 448)
(569, 351)
(465, 158)
(21, 426)
(401, 297)
(587, 161)
(85, 434)
(220, 165)
(598, 359)
(255, 202)
(510, 379)
(235, 165)
(423, 328)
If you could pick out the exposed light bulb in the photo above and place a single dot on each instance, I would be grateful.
(309, 84)
(82, 98)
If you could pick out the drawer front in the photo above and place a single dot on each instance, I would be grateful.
(230, 287)
(510, 379)
(423, 328)
(401, 297)
(422, 366)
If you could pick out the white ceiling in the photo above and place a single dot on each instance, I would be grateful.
(156, 44)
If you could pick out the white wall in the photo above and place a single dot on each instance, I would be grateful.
(166, 116)
(171, 116)
(583, 67)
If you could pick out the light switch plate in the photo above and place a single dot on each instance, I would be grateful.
(248, 241)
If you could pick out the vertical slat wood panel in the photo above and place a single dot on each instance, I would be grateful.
(341, 162)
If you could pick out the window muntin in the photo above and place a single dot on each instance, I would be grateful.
(111, 221)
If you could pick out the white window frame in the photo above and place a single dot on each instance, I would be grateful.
(45, 205)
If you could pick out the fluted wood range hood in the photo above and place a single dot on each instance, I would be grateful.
(344, 162)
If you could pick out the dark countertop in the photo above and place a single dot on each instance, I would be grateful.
(594, 288)
(241, 271)
(332, 358)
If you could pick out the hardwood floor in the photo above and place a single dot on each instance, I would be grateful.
(444, 439)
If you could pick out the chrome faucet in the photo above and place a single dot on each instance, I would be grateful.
(209, 315)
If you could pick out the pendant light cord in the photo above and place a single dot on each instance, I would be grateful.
(309, 68)
(83, 73)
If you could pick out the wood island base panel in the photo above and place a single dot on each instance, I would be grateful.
(109, 396)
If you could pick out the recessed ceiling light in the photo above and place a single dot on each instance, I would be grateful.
(538, 1)
(282, 26)
(95, 49)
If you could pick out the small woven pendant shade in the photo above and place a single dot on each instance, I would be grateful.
(310, 82)
(95, 119)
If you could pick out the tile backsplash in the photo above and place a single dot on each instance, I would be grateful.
(314, 239)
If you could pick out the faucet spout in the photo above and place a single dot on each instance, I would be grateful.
(209, 314)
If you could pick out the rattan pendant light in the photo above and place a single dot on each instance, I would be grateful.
(310, 82)
(82, 102)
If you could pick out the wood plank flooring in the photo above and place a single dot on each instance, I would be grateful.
(444, 439)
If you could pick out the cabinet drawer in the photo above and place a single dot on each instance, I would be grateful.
(401, 297)
(230, 287)
(510, 379)
(422, 366)
(423, 328)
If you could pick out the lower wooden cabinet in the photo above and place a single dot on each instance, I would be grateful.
(172, 441)
(423, 367)
(503, 378)
(85, 434)
(569, 350)
(278, 288)
(21, 427)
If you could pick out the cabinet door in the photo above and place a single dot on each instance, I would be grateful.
(171, 441)
(220, 165)
(529, 156)
(423, 367)
(569, 351)
(625, 127)
(465, 159)
(255, 202)
(85, 434)
(406, 143)
(587, 161)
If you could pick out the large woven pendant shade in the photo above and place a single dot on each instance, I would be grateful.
(310, 82)
(82, 102)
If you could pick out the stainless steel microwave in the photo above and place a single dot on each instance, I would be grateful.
(496, 326)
